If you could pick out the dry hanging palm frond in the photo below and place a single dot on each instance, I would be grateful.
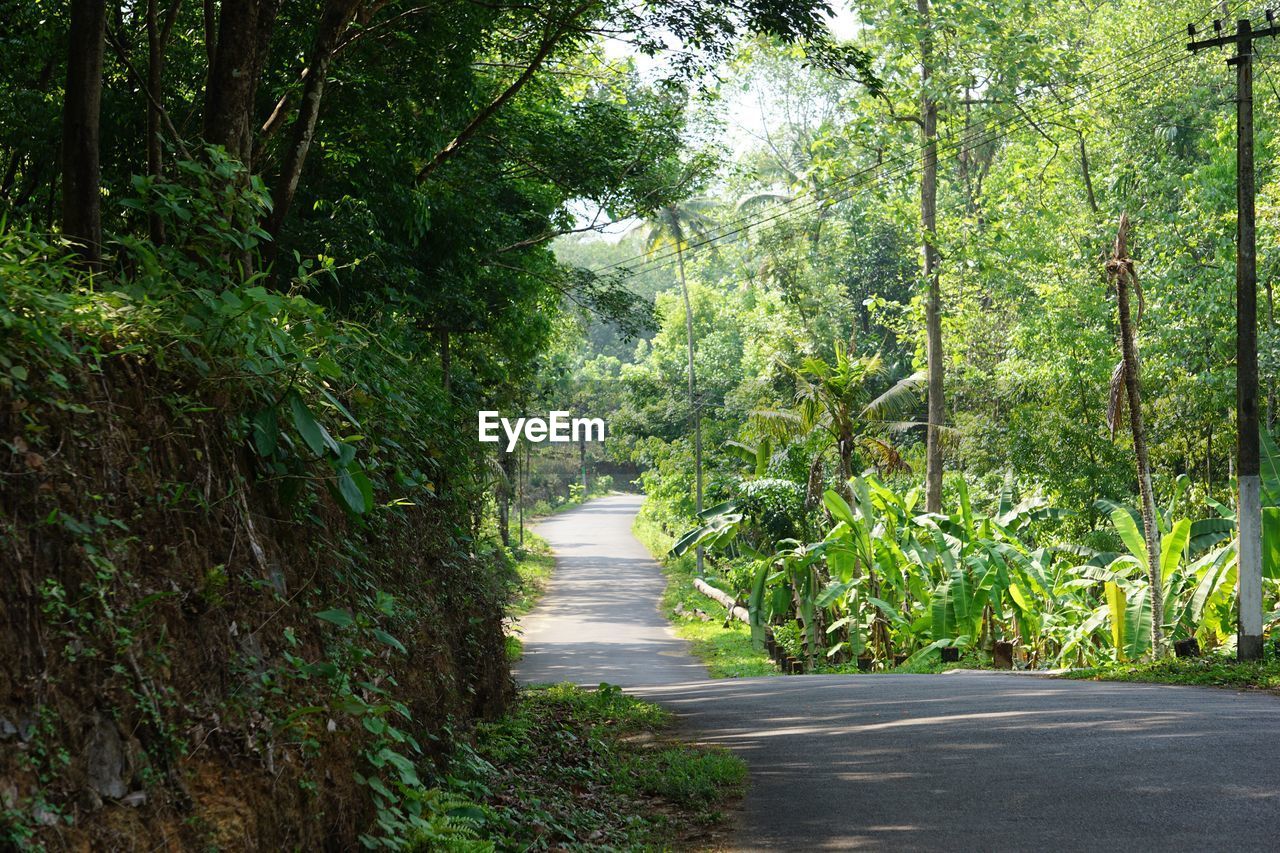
(1125, 389)
(888, 459)
(1116, 403)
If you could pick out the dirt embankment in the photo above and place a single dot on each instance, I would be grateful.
(196, 651)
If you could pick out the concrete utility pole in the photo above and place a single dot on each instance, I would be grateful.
(1249, 624)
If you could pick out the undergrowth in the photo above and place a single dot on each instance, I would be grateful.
(1212, 670)
(582, 769)
(532, 572)
(242, 533)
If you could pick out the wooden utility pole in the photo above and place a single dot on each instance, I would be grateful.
(1249, 619)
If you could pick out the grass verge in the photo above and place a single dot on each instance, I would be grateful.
(1208, 671)
(533, 567)
(585, 769)
(726, 650)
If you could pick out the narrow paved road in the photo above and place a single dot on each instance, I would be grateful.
(923, 762)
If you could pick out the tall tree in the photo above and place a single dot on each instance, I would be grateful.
(158, 35)
(81, 114)
(243, 38)
(1125, 387)
(334, 20)
(673, 225)
(929, 232)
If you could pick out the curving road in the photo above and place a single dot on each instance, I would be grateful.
(918, 762)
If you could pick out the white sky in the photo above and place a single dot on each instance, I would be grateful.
(741, 110)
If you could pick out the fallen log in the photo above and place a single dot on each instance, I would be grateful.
(735, 610)
(776, 653)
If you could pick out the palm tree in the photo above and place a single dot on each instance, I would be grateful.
(789, 177)
(673, 226)
(836, 399)
(1125, 393)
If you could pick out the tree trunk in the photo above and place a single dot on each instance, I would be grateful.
(334, 21)
(155, 72)
(504, 492)
(929, 227)
(1122, 271)
(157, 41)
(244, 29)
(446, 363)
(82, 103)
(695, 416)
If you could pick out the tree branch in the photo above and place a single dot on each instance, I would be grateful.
(547, 45)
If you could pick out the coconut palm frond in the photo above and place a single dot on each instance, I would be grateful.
(900, 426)
(904, 394)
(777, 423)
(757, 200)
(675, 226)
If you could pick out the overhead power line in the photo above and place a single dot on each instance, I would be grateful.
(1154, 58)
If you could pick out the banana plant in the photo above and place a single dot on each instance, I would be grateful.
(721, 525)
(1128, 592)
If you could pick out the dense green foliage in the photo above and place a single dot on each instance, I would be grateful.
(808, 312)
(261, 263)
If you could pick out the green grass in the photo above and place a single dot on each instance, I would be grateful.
(587, 769)
(534, 565)
(1209, 671)
(726, 651)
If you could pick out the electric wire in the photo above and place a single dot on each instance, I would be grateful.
(885, 172)
(1155, 55)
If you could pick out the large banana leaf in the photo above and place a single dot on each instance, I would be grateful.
(1270, 469)
(1179, 489)
(756, 602)
(1122, 518)
(1137, 621)
(1173, 547)
(1271, 542)
(1107, 507)
(1217, 569)
(1208, 532)
(961, 593)
(1115, 608)
(966, 511)
(839, 508)
(833, 592)
(891, 613)
(942, 609)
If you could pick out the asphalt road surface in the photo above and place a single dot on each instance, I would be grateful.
(918, 762)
